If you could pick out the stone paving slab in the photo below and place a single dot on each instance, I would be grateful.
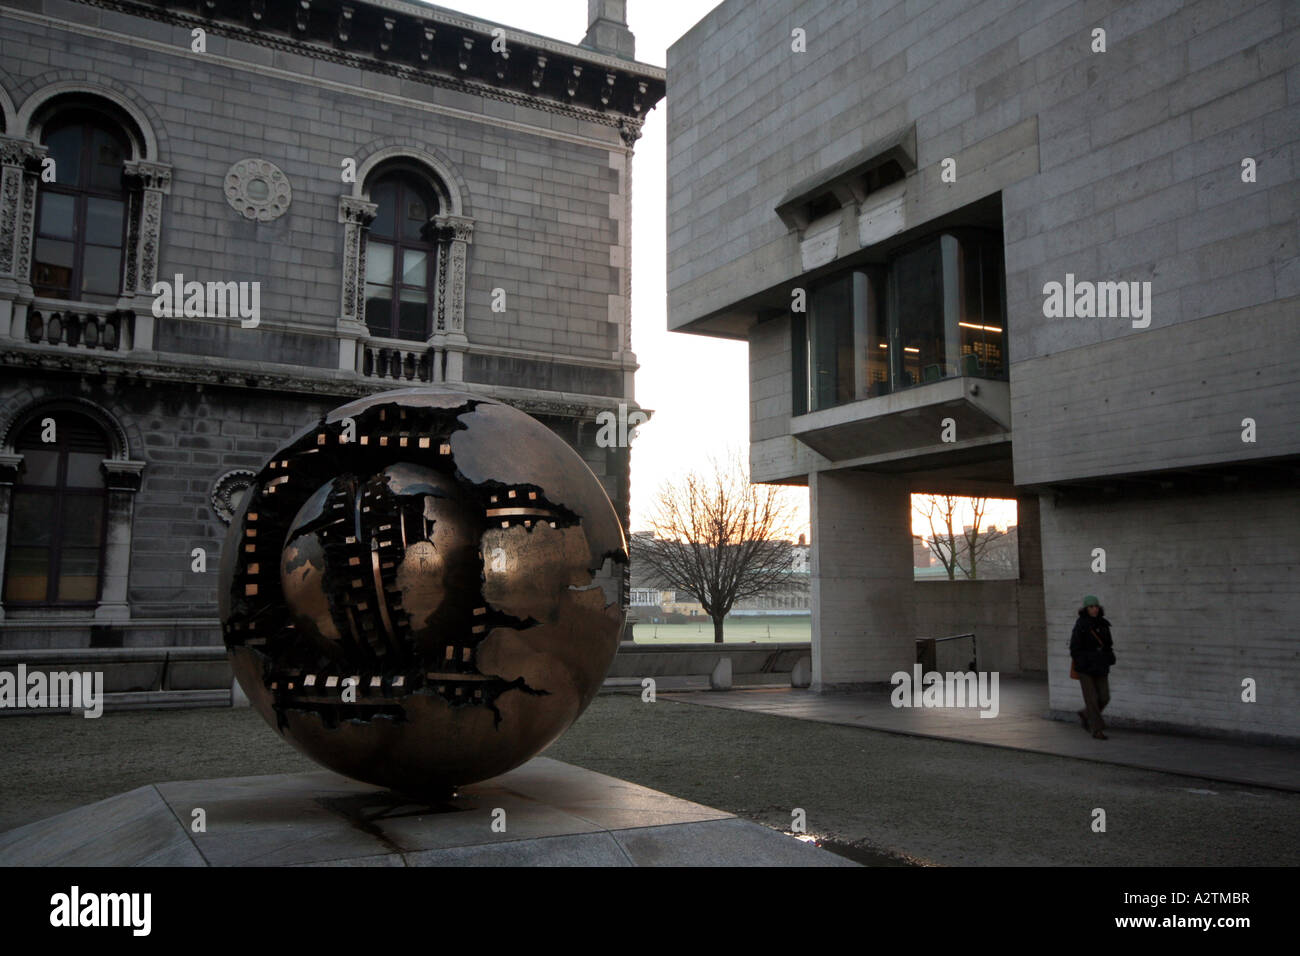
(1022, 724)
(556, 814)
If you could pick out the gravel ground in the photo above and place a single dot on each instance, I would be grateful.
(886, 797)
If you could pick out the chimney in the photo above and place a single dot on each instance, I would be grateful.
(607, 30)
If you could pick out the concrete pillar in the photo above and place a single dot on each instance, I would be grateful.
(1030, 618)
(863, 614)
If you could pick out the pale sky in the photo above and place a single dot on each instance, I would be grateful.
(697, 387)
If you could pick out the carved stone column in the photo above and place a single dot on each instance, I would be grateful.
(459, 233)
(151, 181)
(20, 170)
(356, 215)
(123, 481)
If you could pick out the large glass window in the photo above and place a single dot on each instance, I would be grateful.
(56, 522)
(401, 257)
(81, 215)
(933, 311)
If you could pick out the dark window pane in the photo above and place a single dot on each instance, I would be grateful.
(65, 149)
(413, 315)
(27, 573)
(871, 331)
(417, 214)
(104, 221)
(102, 270)
(379, 310)
(52, 268)
(384, 195)
(106, 157)
(830, 346)
(84, 470)
(917, 287)
(40, 467)
(799, 350)
(31, 523)
(57, 215)
(78, 574)
(82, 515)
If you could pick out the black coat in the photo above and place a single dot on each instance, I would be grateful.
(1090, 645)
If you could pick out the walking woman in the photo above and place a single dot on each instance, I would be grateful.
(1091, 658)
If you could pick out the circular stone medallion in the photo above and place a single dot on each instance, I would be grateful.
(258, 189)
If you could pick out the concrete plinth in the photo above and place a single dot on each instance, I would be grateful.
(545, 813)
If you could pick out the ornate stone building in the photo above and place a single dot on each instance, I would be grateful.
(220, 219)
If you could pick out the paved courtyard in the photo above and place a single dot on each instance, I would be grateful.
(1022, 724)
(886, 797)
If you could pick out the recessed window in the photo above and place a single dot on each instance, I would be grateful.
(56, 521)
(933, 311)
(81, 215)
(401, 258)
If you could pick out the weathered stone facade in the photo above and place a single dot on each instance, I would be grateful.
(251, 160)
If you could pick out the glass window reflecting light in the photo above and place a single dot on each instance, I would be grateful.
(935, 310)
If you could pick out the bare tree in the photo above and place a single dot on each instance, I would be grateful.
(977, 540)
(941, 511)
(719, 538)
(957, 550)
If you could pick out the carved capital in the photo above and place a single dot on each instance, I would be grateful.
(21, 152)
(456, 228)
(123, 475)
(357, 211)
(149, 175)
(9, 465)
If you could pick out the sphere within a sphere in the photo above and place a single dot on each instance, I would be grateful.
(422, 590)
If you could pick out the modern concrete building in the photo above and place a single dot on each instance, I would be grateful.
(1044, 250)
(372, 193)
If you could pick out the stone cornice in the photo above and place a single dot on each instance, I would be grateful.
(433, 46)
(135, 370)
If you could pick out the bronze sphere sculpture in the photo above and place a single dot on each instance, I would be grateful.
(423, 590)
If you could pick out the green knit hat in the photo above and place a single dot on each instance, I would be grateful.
(1091, 599)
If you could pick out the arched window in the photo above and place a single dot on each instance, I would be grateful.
(81, 215)
(401, 257)
(57, 514)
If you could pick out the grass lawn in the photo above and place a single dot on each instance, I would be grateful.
(737, 629)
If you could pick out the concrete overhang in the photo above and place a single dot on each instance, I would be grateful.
(910, 424)
(847, 179)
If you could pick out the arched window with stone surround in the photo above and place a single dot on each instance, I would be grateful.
(405, 247)
(402, 256)
(55, 547)
(81, 214)
(92, 234)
